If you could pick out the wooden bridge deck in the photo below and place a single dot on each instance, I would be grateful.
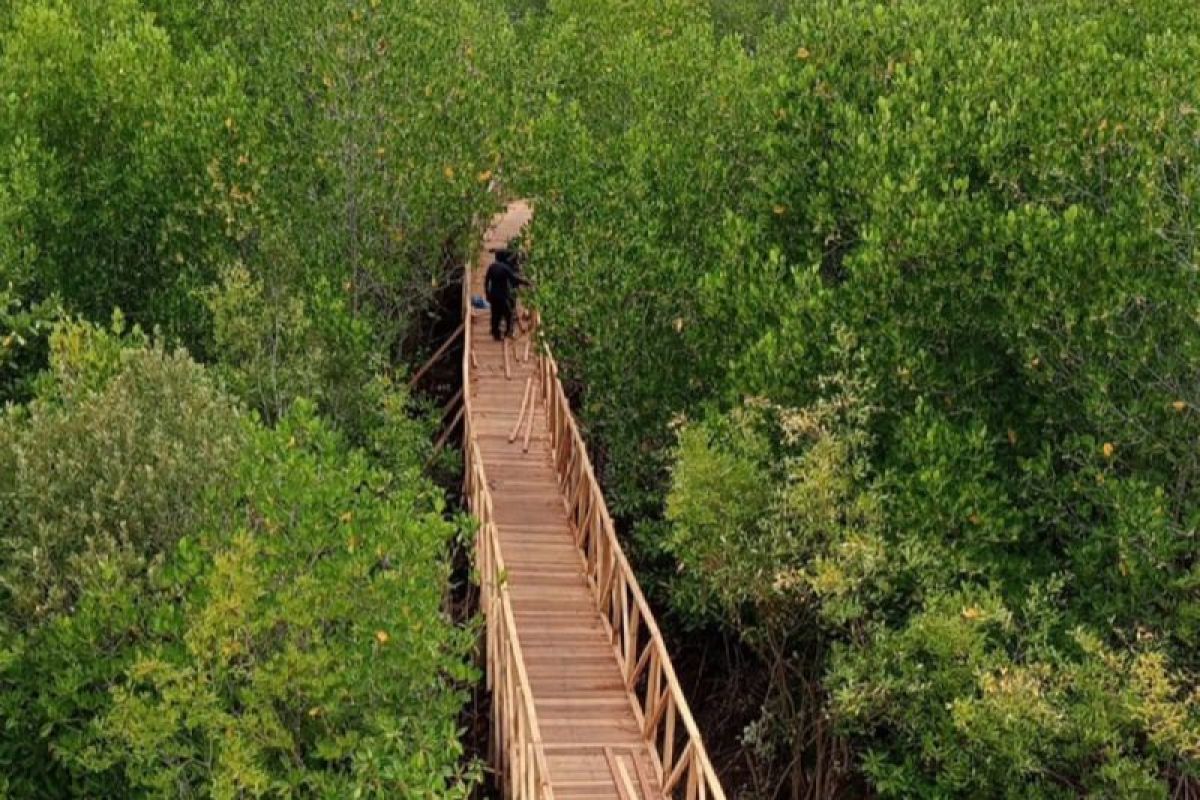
(583, 731)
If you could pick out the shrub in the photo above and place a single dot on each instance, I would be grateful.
(193, 604)
(993, 199)
(119, 162)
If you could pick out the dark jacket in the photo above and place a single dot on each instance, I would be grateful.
(511, 257)
(500, 282)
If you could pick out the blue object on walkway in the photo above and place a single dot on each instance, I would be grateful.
(479, 302)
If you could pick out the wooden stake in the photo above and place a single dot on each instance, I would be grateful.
(507, 367)
(512, 437)
(529, 423)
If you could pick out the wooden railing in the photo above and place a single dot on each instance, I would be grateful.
(662, 711)
(517, 752)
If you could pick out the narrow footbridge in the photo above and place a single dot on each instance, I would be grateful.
(585, 703)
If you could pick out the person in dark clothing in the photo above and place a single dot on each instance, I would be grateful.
(511, 257)
(500, 285)
(514, 259)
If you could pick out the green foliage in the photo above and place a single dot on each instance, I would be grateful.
(98, 484)
(775, 516)
(112, 148)
(749, 19)
(632, 92)
(24, 343)
(233, 575)
(154, 146)
(1068, 717)
(374, 154)
(98, 473)
(293, 646)
(224, 609)
(276, 345)
(957, 240)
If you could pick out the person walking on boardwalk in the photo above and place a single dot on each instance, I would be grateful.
(500, 285)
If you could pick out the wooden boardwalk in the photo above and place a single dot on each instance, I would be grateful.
(585, 704)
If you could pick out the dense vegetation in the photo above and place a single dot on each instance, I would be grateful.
(884, 318)
(223, 230)
(199, 605)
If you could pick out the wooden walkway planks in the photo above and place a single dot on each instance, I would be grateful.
(582, 730)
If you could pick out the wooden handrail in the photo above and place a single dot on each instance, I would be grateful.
(683, 765)
(518, 753)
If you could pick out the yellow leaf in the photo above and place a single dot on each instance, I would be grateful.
(802, 54)
(485, 176)
(779, 210)
(1179, 405)
(973, 613)
(1109, 450)
(382, 637)
(347, 517)
(449, 173)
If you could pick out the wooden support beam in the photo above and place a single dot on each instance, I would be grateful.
(433, 359)
(452, 402)
(441, 442)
